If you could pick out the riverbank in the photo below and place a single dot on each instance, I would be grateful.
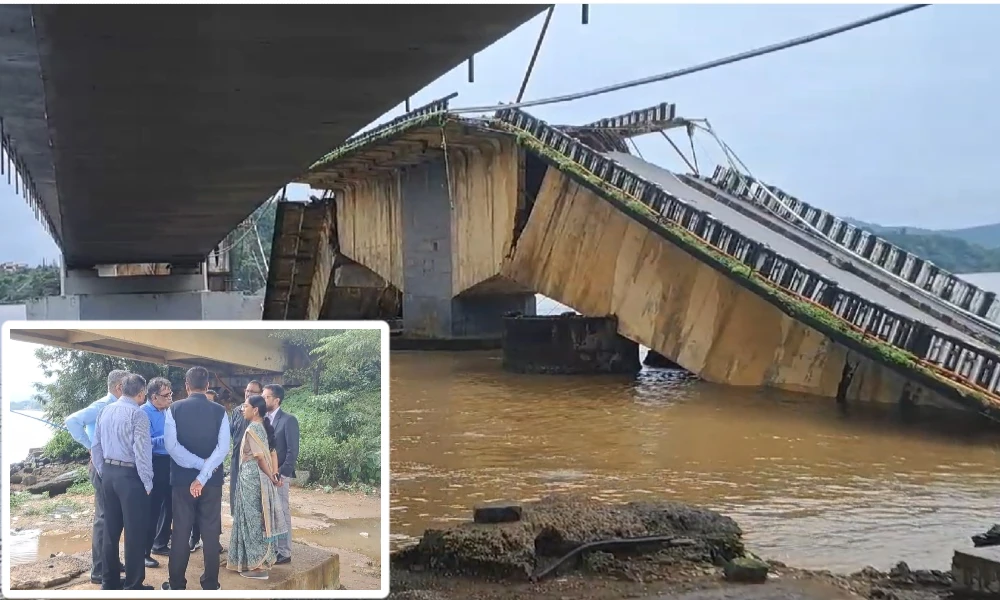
(346, 523)
(570, 546)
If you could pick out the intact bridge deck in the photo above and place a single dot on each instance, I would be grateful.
(787, 246)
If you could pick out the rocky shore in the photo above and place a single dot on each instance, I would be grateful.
(567, 547)
(37, 474)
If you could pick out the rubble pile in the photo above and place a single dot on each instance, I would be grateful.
(553, 527)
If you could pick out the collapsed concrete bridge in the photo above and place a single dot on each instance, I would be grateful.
(449, 223)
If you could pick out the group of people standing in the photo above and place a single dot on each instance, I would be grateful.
(157, 470)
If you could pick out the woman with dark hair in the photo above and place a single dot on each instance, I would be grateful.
(257, 518)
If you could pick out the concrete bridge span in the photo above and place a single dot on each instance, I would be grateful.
(467, 218)
(227, 352)
(145, 134)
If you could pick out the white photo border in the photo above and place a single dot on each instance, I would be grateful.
(5, 516)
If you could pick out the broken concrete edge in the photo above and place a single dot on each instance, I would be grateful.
(554, 532)
(391, 130)
(827, 323)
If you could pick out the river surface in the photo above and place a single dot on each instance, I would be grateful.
(22, 433)
(811, 485)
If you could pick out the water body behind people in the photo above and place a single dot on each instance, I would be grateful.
(814, 486)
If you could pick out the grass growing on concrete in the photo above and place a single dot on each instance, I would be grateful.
(340, 152)
(790, 304)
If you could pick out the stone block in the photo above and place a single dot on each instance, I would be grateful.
(568, 344)
(746, 570)
(300, 480)
(977, 571)
(497, 512)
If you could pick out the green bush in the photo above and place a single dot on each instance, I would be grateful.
(62, 446)
(340, 435)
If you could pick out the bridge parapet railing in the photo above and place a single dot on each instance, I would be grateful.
(887, 256)
(904, 340)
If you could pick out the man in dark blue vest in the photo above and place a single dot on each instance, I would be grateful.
(196, 431)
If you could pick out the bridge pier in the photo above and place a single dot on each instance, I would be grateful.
(177, 296)
(436, 302)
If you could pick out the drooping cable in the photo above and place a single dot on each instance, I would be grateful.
(799, 41)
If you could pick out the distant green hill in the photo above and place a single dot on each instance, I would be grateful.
(967, 250)
(987, 236)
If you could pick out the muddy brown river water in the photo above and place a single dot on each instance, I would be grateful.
(812, 485)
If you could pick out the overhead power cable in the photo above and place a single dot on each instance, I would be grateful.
(799, 41)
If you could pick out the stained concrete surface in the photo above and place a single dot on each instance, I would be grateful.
(783, 245)
(210, 111)
(310, 569)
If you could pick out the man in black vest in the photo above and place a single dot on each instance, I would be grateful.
(196, 432)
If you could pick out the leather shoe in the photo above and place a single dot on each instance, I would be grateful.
(283, 560)
(161, 551)
(152, 563)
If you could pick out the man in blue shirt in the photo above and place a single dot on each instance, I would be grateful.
(159, 397)
(81, 427)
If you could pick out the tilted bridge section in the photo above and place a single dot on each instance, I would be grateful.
(457, 221)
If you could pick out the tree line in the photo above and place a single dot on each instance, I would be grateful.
(338, 406)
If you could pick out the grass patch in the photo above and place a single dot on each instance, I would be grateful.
(353, 488)
(81, 484)
(18, 500)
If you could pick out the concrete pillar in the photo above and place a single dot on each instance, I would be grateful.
(430, 308)
(184, 306)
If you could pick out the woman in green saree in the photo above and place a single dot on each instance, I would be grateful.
(258, 520)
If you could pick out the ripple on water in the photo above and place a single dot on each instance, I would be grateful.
(811, 485)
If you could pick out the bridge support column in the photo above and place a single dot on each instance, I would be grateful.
(177, 296)
(183, 306)
(432, 306)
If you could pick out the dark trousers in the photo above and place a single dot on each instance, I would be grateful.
(234, 477)
(97, 535)
(196, 532)
(126, 506)
(206, 511)
(158, 532)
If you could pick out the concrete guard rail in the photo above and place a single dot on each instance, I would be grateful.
(887, 256)
(977, 369)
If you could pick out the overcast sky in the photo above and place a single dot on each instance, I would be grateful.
(894, 123)
(20, 371)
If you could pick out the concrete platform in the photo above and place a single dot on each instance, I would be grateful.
(310, 569)
(977, 571)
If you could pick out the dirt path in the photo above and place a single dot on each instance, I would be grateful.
(342, 522)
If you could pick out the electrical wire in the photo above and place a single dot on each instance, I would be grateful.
(720, 62)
